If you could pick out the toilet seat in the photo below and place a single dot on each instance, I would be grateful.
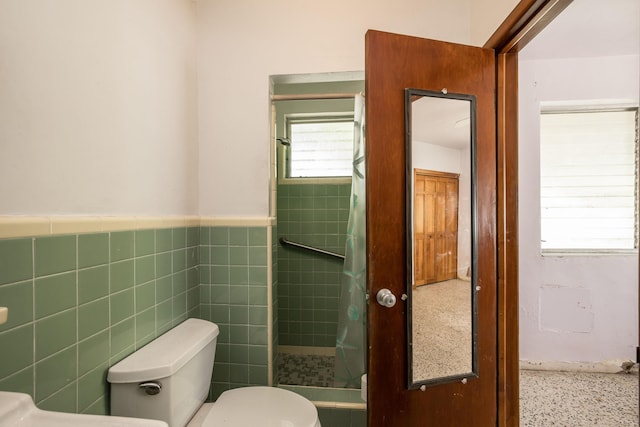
(261, 406)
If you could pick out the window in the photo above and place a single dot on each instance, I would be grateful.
(588, 183)
(320, 146)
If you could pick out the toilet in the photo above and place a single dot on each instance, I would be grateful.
(169, 379)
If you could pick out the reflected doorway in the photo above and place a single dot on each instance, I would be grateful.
(435, 224)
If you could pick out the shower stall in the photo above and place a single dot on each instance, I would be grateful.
(319, 315)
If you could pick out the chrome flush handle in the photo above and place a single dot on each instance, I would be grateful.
(386, 298)
(151, 387)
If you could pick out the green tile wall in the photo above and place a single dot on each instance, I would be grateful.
(234, 295)
(335, 417)
(308, 283)
(275, 339)
(80, 303)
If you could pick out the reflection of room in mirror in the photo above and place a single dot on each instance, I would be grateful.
(441, 143)
(440, 193)
(442, 335)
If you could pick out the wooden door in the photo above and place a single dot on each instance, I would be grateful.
(446, 261)
(424, 230)
(392, 63)
(435, 224)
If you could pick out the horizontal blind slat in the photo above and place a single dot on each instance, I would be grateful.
(588, 180)
(321, 149)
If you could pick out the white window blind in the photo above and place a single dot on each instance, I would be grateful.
(588, 180)
(321, 147)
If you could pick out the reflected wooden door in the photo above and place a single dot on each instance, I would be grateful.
(446, 261)
(419, 233)
(435, 225)
(424, 229)
(392, 63)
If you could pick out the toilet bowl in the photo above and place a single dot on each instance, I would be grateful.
(169, 379)
(269, 406)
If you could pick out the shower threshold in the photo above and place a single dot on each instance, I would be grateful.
(325, 397)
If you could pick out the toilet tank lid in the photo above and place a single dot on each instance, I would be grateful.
(165, 355)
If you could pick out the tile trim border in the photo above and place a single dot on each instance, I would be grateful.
(32, 226)
(213, 221)
(340, 405)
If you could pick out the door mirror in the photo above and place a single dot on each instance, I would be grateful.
(441, 237)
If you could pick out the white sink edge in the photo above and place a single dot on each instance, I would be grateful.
(18, 410)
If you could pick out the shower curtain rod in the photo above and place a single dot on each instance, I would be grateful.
(312, 96)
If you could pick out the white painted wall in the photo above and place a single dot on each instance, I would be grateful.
(437, 158)
(242, 43)
(98, 107)
(100, 101)
(572, 309)
(486, 16)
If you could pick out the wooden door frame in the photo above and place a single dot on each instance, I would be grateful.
(528, 19)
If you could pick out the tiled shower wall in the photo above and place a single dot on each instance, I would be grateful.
(309, 283)
(79, 303)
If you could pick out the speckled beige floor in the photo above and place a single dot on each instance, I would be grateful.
(441, 321)
(578, 399)
(548, 398)
(441, 331)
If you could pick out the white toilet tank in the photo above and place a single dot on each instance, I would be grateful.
(169, 378)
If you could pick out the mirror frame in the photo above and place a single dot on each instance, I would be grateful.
(473, 286)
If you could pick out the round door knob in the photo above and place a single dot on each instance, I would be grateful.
(386, 298)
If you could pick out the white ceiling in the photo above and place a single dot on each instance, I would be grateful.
(588, 28)
(441, 121)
